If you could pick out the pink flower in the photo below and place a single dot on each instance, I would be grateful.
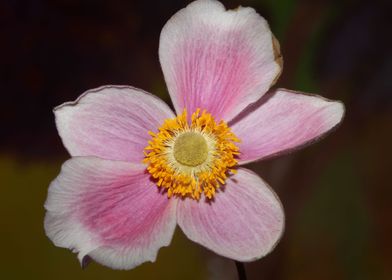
(137, 170)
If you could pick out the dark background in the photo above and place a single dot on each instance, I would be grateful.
(337, 193)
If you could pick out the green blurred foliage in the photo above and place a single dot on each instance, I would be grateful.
(333, 226)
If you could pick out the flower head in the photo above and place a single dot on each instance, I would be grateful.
(137, 169)
(189, 159)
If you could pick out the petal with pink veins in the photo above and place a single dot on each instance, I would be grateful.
(110, 211)
(244, 222)
(111, 122)
(284, 120)
(217, 60)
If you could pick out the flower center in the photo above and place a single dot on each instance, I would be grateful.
(190, 149)
(189, 158)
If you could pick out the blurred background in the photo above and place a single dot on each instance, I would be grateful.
(336, 193)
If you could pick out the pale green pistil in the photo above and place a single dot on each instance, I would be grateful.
(190, 149)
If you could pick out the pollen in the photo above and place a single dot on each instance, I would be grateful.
(192, 157)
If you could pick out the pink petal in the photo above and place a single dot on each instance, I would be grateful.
(110, 211)
(217, 60)
(284, 120)
(244, 222)
(111, 122)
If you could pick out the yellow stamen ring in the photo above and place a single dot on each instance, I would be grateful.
(190, 159)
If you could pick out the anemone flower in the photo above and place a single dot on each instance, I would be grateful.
(138, 169)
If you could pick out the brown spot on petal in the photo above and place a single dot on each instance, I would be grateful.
(278, 57)
(236, 9)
